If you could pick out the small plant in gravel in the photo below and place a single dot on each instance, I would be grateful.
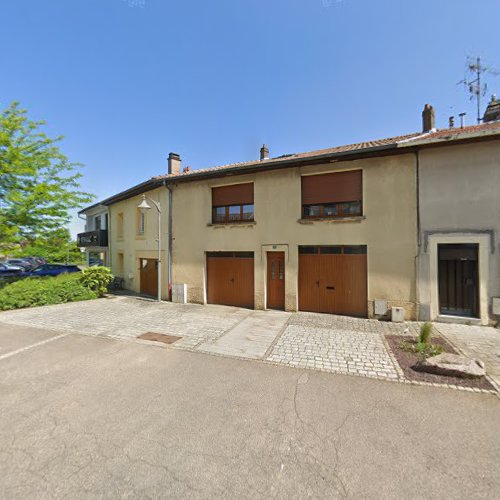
(425, 333)
(97, 279)
(423, 346)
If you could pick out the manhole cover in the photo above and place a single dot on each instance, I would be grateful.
(159, 337)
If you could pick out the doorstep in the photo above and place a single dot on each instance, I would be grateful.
(461, 320)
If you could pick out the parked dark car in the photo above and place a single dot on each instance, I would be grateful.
(34, 261)
(7, 270)
(54, 270)
(25, 264)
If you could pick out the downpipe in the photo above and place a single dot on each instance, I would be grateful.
(169, 244)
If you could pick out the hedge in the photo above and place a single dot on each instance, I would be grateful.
(31, 292)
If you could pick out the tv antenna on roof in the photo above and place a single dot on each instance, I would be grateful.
(474, 86)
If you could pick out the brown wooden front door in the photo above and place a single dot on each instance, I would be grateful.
(276, 280)
(333, 279)
(230, 278)
(458, 280)
(149, 276)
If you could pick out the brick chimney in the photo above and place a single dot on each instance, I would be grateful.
(428, 119)
(174, 163)
(264, 153)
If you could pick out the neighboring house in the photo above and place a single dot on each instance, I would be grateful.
(133, 236)
(134, 241)
(343, 230)
(95, 237)
(459, 237)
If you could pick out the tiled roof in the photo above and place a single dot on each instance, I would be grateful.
(417, 138)
(445, 134)
(390, 141)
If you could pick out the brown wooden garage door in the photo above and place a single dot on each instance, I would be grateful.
(333, 279)
(230, 278)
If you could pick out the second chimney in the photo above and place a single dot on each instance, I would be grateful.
(428, 119)
(264, 153)
(174, 163)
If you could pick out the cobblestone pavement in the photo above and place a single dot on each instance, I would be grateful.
(481, 342)
(338, 344)
(334, 322)
(126, 318)
(342, 351)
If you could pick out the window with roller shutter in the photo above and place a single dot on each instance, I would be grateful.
(233, 204)
(332, 195)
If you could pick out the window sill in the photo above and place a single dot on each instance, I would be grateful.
(232, 224)
(140, 237)
(354, 218)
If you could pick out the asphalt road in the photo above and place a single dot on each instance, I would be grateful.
(88, 417)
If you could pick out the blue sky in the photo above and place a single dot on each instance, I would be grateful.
(128, 81)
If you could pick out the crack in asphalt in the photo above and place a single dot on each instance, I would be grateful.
(332, 437)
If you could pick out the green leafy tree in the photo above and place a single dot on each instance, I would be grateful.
(57, 246)
(38, 183)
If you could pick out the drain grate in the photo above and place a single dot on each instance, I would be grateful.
(159, 337)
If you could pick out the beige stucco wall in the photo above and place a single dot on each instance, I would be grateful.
(460, 203)
(389, 228)
(134, 246)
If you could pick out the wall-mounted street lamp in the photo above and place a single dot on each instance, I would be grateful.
(144, 206)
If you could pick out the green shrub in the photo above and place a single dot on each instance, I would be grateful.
(7, 280)
(425, 333)
(96, 278)
(31, 292)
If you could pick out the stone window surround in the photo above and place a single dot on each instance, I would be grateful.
(484, 241)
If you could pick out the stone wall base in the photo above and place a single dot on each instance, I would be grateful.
(409, 307)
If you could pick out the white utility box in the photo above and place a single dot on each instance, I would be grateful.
(179, 293)
(397, 314)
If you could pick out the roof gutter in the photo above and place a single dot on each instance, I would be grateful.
(133, 191)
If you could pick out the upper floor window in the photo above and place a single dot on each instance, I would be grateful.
(141, 221)
(119, 225)
(338, 194)
(232, 203)
(97, 222)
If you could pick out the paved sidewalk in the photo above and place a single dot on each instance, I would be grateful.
(324, 342)
(125, 318)
(481, 342)
(250, 338)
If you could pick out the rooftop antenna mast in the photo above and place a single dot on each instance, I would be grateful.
(475, 87)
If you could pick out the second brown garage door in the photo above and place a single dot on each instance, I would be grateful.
(230, 278)
(333, 279)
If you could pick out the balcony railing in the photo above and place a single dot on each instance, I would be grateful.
(97, 238)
